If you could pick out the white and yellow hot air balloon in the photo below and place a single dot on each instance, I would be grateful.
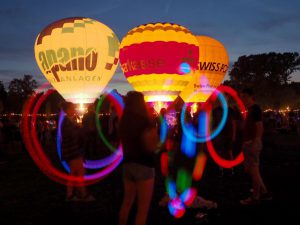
(213, 65)
(78, 56)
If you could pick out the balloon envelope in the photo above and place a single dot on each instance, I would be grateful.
(158, 59)
(213, 65)
(78, 56)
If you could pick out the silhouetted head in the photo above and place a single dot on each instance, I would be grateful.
(68, 108)
(91, 108)
(247, 96)
(134, 102)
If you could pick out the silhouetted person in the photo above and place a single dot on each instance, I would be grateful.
(72, 154)
(90, 132)
(223, 142)
(139, 139)
(160, 119)
(252, 146)
(113, 123)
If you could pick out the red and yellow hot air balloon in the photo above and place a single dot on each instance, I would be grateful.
(213, 65)
(78, 56)
(158, 59)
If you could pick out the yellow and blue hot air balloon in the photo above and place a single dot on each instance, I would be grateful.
(213, 65)
(78, 56)
(158, 59)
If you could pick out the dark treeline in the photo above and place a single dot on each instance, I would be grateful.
(269, 74)
(13, 99)
(19, 90)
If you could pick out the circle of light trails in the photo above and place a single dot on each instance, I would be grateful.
(177, 203)
(35, 149)
(94, 164)
(200, 138)
(219, 160)
(119, 106)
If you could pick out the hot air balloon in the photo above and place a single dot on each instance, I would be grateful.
(158, 59)
(78, 56)
(213, 65)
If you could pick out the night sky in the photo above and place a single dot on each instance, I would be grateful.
(244, 26)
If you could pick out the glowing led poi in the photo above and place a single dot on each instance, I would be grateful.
(240, 158)
(177, 204)
(203, 138)
(117, 152)
(119, 106)
(95, 176)
(36, 151)
(89, 164)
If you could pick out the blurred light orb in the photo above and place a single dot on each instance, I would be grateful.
(185, 68)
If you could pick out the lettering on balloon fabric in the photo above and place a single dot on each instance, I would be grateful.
(213, 66)
(68, 78)
(73, 59)
(158, 57)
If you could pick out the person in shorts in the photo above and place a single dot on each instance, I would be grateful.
(138, 135)
(252, 146)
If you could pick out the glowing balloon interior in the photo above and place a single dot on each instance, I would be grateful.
(157, 59)
(213, 65)
(78, 56)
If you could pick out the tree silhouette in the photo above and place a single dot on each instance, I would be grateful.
(22, 87)
(52, 103)
(3, 95)
(272, 68)
(269, 75)
(18, 91)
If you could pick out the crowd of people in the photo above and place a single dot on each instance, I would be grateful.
(139, 134)
(138, 130)
(282, 122)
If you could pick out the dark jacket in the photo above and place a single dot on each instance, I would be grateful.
(70, 140)
(132, 127)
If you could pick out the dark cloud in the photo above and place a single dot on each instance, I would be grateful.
(8, 75)
(275, 21)
(11, 12)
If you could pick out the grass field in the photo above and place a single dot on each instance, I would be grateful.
(28, 197)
